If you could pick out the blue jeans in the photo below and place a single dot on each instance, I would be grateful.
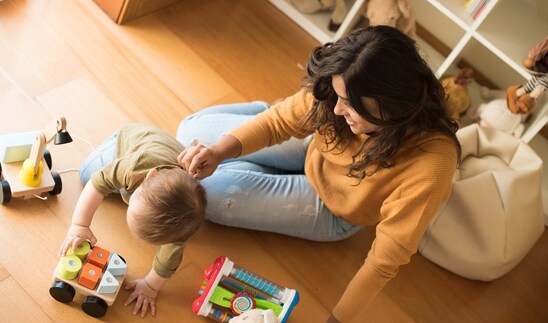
(98, 158)
(266, 190)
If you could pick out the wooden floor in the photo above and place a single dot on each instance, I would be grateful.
(67, 57)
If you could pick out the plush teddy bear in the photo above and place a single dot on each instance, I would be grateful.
(255, 316)
(395, 13)
(456, 89)
(337, 6)
(495, 114)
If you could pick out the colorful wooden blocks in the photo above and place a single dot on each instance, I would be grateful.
(94, 272)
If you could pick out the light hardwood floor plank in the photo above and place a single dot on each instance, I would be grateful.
(34, 55)
(3, 273)
(67, 57)
(16, 306)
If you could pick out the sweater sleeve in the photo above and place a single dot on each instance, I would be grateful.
(277, 124)
(422, 189)
(168, 258)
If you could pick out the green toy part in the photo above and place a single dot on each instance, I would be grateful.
(225, 298)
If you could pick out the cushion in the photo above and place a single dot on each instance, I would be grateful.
(494, 215)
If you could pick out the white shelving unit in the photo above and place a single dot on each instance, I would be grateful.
(316, 24)
(495, 43)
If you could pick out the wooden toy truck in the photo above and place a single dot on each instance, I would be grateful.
(229, 290)
(25, 163)
(92, 271)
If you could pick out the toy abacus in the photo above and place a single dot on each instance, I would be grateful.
(229, 290)
(94, 272)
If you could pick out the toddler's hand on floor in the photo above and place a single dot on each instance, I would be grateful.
(143, 295)
(76, 234)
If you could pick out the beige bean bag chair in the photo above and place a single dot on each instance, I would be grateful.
(494, 215)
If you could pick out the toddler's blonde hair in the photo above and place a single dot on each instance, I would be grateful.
(173, 207)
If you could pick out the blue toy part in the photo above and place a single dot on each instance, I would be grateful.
(108, 284)
(256, 281)
(116, 265)
(293, 299)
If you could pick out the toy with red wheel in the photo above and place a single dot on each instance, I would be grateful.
(229, 290)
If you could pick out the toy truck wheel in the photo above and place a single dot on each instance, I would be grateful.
(62, 292)
(94, 306)
(47, 157)
(58, 184)
(5, 192)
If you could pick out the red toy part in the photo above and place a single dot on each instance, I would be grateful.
(99, 257)
(211, 274)
(89, 276)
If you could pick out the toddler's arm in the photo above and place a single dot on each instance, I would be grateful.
(79, 230)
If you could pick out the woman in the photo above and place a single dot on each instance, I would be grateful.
(366, 141)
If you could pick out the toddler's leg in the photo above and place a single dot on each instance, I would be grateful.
(240, 194)
(99, 157)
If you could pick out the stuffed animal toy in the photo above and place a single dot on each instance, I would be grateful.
(522, 99)
(395, 13)
(456, 89)
(337, 6)
(495, 114)
(255, 316)
(537, 58)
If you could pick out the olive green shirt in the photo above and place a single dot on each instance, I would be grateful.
(140, 148)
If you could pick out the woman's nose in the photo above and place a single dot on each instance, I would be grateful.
(339, 108)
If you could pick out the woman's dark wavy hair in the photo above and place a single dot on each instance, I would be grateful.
(382, 63)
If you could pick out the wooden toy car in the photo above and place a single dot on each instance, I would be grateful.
(25, 163)
(92, 271)
(229, 290)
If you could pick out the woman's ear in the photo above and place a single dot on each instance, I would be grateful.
(151, 173)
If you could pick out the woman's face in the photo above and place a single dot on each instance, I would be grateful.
(357, 123)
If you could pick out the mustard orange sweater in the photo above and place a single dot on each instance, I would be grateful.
(401, 200)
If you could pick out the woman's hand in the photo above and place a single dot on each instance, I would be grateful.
(143, 295)
(200, 161)
(76, 234)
